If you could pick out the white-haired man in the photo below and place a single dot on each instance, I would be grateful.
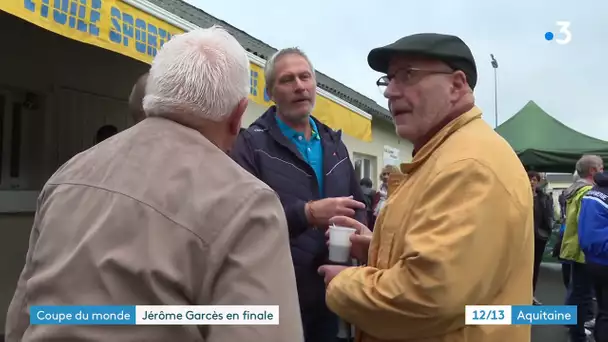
(160, 215)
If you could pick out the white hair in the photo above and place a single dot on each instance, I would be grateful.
(270, 68)
(204, 72)
(586, 163)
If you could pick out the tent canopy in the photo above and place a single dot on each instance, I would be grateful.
(546, 145)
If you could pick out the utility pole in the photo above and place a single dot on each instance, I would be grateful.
(495, 66)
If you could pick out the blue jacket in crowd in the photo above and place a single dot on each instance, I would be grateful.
(268, 154)
(593, 222)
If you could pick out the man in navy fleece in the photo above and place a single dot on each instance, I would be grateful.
(309, 167)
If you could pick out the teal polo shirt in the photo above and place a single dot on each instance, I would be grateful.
(311, 150)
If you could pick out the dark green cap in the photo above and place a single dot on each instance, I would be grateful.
(449, 49)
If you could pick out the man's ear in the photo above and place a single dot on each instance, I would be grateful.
(459, 82)
(459, 85)
(236, 117)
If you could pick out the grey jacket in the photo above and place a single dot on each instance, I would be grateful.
(156, 215)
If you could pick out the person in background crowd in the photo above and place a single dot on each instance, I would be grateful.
(458, 230)
(368, 196)
(308, 165)
(562, 205)
(580, 292)
(543, 224)
(565, 265)
(136, 98)
(382, 193)
(105, 132)
(554, 211)
(558, 244)
(161, 215)
(593, 238)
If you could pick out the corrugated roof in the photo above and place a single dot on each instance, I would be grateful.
(263, 50)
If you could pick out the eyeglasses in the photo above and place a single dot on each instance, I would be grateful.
(407, 76)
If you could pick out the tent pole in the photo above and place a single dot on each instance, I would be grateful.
(494, 63)
(495, 99)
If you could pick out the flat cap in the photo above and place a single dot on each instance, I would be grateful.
(446, 48)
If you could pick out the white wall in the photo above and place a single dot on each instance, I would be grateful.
(383, 133)
(254, 111)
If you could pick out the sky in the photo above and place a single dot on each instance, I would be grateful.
(568, 81)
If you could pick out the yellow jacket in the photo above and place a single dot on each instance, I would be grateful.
(457, 230)
(570, 248)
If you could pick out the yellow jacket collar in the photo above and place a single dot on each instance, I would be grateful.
(395, 179)
(433, 144)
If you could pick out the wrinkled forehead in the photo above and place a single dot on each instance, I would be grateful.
(291, 64)
(411, 61)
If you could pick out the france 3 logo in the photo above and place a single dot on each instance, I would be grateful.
(564, 36)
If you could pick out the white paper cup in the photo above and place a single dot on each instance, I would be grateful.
(339, 243)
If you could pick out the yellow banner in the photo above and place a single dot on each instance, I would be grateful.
(124, 29)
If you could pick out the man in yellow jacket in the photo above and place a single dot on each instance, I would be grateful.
(457, 228)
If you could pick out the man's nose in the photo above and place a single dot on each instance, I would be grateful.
(391, 91)
(299, 85)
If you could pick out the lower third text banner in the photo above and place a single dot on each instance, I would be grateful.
(156, 315)
(520, 315)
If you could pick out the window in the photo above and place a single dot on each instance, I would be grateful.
(10, 140)
(22, 150)
(365, 166)
(253, 83)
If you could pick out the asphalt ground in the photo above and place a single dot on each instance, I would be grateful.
(550, 290)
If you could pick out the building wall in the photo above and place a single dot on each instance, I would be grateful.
(254, 111)
(383, 134)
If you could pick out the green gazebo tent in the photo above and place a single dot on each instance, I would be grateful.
(546, 145)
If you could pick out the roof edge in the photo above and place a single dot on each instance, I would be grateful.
(185, 25)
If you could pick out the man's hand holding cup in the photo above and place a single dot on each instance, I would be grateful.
(359, 237)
